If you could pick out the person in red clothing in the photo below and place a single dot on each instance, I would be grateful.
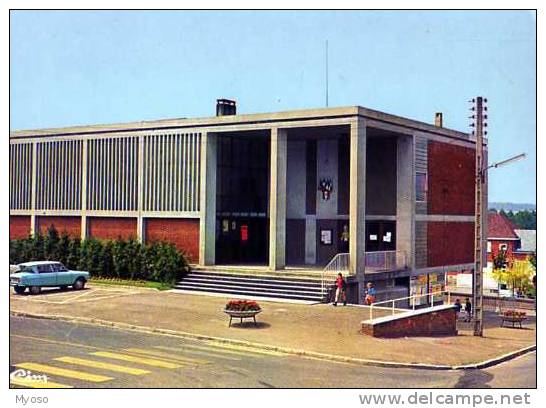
(340, 290)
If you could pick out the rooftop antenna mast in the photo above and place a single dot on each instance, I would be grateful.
(326, 73)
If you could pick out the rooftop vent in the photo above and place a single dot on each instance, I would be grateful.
(225, 107)
(438, 119)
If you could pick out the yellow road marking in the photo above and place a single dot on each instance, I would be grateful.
(245, 349)
(37, 384)
(163, 355)
(202, 353)
(140, 360)
(100, 364)
(63, 372)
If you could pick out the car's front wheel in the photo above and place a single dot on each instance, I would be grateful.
(35, 290)
(19, 289)
(79, 284)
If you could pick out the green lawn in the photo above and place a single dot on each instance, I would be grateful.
(129, 282)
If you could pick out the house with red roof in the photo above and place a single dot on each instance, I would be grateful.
(503, 235)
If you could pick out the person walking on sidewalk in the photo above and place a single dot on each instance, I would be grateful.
(468, 310)
(340, 290)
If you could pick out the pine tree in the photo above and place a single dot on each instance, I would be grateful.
(36, 248)
(51, 242)
(106, 264)
(63, 249)
(73, 258)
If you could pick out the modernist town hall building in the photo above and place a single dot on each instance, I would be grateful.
(282, 192)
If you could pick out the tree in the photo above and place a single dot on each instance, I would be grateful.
(500, 261)
(35, 248)
(533, 260)
(106, 265)
(63, 249)
(517, 275)
(51, 242)
(522, 219)
(73, 258)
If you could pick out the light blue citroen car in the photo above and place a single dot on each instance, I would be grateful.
(35, 275)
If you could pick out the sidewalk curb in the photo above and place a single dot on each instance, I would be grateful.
(304, 353)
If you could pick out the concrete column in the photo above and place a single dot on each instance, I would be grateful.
(140, 190)
(33, 189)
(207, 191)
(277, 200)
(84, 181)
(405, 198)
(357, 203)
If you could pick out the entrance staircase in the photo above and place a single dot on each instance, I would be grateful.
(307, 288)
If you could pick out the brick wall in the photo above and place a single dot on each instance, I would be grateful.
(184, 233)
(70, 225)
(440, 322)
(510, 252)
(19, 226)
(450, 179)
(450, 243)
(112, 228)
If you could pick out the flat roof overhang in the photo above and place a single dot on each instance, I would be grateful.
(294, 118)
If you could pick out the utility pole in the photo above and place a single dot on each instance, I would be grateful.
(479, 118)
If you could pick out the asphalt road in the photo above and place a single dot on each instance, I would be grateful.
(84, 356)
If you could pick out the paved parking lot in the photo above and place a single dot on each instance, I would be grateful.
(69, 296)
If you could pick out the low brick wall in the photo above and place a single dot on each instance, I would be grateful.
(435, 321)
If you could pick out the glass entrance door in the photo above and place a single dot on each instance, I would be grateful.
(241, 240)
(242, 189)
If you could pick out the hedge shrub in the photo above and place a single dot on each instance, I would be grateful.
(120, 258)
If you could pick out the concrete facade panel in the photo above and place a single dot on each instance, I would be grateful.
(296, 169)
(451, 173)
(112, 228)
(182, 232)
(450, 243)
(19, 226)
(295, 241)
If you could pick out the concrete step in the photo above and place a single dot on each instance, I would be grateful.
(237, 280)
(248, 292)
(221, 284)
(293, 274)
(260, 285)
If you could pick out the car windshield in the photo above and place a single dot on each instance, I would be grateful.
(25, 269)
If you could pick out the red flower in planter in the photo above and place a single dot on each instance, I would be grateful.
(242, 305)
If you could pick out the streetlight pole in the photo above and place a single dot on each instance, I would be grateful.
(479, 123)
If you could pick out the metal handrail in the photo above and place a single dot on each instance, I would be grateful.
(393, 301)
(385, 260)
(339, 263)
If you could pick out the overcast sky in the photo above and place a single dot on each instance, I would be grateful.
(100, 67)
